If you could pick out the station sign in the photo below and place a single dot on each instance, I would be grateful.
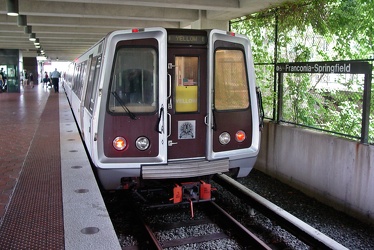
(338, 67)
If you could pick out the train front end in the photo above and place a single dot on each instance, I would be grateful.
(175, 105)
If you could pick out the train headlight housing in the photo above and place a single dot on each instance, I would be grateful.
(224, 138)
(240, 136)
(142, 143)
(119, 143)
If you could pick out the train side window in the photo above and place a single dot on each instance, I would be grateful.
(78, 79)
(134, 80)
(96, 83)
(81, 79)
(69, 76)
(230, 80)
(90, 84)
(186, 83)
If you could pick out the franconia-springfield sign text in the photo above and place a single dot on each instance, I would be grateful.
(316, 68)
(339, 67)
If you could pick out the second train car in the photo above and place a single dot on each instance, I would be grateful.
(166, 104)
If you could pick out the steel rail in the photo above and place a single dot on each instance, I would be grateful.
(295, 226)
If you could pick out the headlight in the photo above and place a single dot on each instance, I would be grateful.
(119, 143)
(142, 143)
(224, 138)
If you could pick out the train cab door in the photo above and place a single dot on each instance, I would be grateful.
(186, 102)
(231, 118)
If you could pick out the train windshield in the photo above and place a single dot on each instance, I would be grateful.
(230, 80)
(134, 81)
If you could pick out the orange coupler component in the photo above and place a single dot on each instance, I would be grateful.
(191, 207)
(205, 191)
(177, 194)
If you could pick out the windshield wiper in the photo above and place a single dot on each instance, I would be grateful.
(118, 98)
(159, 120)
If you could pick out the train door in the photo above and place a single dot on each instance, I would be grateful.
(134, 122)
(187, 102)
(233, 96)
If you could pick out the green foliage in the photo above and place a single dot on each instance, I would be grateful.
(315, 30)
(265, 79)
(262, 36)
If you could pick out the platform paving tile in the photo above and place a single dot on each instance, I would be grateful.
(35, 162)
(20, 114)
(30, 181)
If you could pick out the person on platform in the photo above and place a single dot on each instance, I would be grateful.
(2, 79)
(45, 79)
(55, 76)
(31, 78)
(2, 73)
(25, 78)
(1, 83)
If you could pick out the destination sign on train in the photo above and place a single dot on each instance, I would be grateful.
(187, 39)
(346, 67)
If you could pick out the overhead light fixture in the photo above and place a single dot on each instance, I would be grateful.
(12, 7)
(37, 46)
(36, 42)
(32, 37)
(22, 20)
(41, 51)
(28, 29)
(41, 58)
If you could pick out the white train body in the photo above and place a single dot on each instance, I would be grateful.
(166, 104)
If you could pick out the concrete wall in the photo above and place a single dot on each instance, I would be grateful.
(336, 171)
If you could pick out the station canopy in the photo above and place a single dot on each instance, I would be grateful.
(67, 28)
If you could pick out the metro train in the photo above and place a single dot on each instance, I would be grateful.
(159, 104)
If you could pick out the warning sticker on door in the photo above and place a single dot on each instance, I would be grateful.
(187, 129)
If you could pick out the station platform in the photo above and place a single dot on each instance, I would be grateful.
(49, 198)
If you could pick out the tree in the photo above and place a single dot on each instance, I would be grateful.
(320, 30)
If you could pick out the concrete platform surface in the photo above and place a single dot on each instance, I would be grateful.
(49, 198)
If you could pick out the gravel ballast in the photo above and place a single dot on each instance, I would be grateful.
(344, 229)
(348, 231)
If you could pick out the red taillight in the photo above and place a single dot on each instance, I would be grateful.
(240, 136)
(135, 30)
(231, 33)
(119, 143)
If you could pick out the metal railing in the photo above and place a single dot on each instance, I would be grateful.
(327, 98)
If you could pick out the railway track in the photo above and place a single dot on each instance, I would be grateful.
(302, 231)
(210, 226)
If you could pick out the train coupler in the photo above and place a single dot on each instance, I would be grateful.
(192, 192)
(128, 183)
(191, 209)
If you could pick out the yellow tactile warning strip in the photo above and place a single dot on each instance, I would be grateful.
(34, 216)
